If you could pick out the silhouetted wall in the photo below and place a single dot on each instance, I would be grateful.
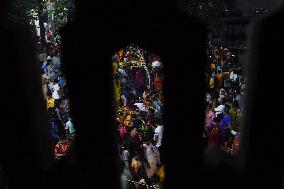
(26, 150)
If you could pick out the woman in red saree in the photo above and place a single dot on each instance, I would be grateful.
(61, 148)
(209, 115)
(213, 132)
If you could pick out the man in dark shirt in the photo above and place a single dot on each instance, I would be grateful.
(225, 128)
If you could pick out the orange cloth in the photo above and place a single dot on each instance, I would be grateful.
(161, 173)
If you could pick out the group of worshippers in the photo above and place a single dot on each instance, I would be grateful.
(55, 95)
(137, 80)
(224, 99)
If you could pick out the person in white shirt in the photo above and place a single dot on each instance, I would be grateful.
(55, 90)
(158, 135)
(126, 174)
(232, 75)
(235, 77)
(152, 156)
(50, 83)
(222, 94)
(220, 109)
(141, 107)
(208, 98)
(69, 127)
(158, 138)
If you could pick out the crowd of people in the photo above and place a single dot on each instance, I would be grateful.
(55, 95)
(224, 99)
(138, 98)
(138, 101)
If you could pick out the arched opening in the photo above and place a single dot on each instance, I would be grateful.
(138, 101)
(224, 99)
(48, 19)
(36, 52)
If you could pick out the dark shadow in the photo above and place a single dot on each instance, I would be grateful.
(158, 27)
(25, 143)
(263, 138)
(88, 45)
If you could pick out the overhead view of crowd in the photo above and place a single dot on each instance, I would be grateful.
(138, 98)
(55, 95)
(224, 99)
(138, 101)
